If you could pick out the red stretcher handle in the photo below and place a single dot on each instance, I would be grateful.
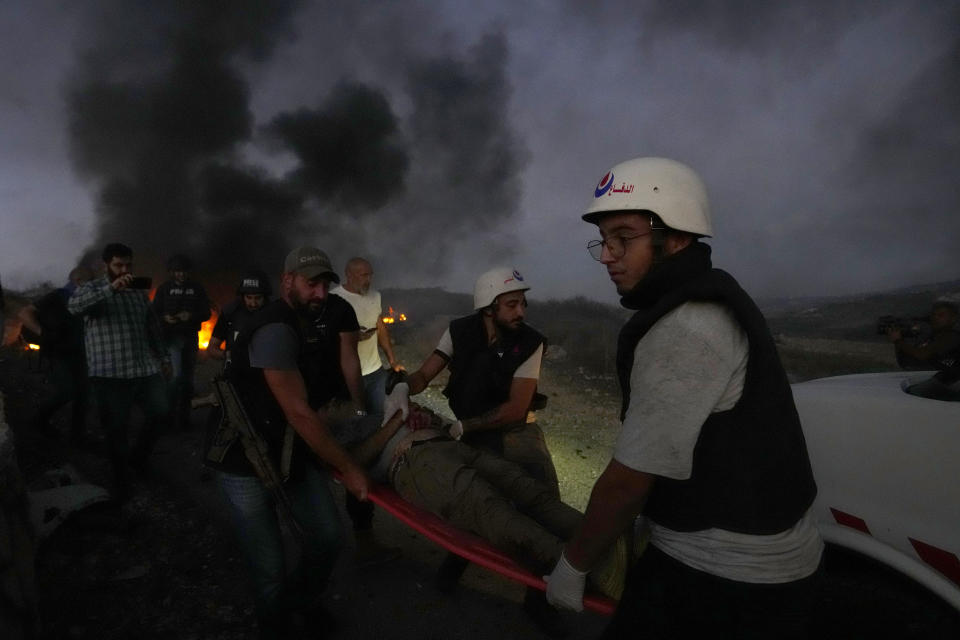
(470, 546)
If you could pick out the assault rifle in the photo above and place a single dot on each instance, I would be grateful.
(235, 424)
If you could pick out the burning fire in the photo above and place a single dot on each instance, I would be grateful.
(206, 330)
(33, 347)
(393, 316)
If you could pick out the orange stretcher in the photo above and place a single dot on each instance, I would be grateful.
(470, 546)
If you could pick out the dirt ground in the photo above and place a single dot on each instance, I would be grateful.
(166, 566)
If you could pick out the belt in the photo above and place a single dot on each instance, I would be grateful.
(417, 443)
(400, 459)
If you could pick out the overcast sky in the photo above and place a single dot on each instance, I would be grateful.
(828, 134)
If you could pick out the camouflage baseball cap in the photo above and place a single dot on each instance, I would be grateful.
(310, 262)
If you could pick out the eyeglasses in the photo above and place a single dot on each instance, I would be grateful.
(616, 245)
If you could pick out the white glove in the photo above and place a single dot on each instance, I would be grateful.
(397, 400)
(456, 430)
(565, 585)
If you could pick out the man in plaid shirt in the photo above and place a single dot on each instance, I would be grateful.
(125, 359)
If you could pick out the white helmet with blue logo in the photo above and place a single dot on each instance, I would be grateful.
(665, 187)
(495, 282)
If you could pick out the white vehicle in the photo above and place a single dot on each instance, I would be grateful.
(887, 466)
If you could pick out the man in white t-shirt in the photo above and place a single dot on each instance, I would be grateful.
(710, 449)
(366, 304)
(373, 331)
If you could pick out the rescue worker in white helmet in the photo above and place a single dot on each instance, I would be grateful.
(710, 449)
(494, 359)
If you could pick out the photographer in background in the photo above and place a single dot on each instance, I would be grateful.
(182, 305)
(941, 352)
(125, 358)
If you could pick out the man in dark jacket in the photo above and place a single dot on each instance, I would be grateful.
(710, 448)
(182, 306)
(61, 340)
(252, 294)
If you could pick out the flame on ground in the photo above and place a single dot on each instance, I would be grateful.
(206, 330)
(393, 316)
(33, 347)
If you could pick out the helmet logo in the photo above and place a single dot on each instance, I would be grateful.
(605, 183)
(515, 276)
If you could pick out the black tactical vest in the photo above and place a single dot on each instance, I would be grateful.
(751, 473)
(257, 399)
(481, 374)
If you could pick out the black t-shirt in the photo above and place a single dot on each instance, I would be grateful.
(62, 333)
(321, 353)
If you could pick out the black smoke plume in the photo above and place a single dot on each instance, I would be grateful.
(350, 152)
(161, 121)
(156, 98)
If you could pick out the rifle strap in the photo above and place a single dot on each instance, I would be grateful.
(286, 453)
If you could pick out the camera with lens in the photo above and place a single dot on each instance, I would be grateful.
(908, 327)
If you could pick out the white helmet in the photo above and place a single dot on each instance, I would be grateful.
(665, 187)
(494, 282)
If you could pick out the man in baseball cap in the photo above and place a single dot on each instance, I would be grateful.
(311, 263)
(279, 382)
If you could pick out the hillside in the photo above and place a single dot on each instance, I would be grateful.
(853, 317)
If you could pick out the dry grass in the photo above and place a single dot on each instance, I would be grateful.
(581, 419)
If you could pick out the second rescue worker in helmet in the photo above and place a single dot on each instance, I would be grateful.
(494, 359)
(710, 447)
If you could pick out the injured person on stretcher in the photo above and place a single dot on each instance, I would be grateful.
(476, 491)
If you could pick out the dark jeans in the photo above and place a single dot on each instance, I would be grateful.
(665, 598)
(68, 382)
(115, 399)
(374, 391)
(251, 505)
(183, 356)
(374, 394)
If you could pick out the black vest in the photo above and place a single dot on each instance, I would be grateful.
(257, 399)
(231, 320)
(172, 298)
(481, 374)
(751, 473)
